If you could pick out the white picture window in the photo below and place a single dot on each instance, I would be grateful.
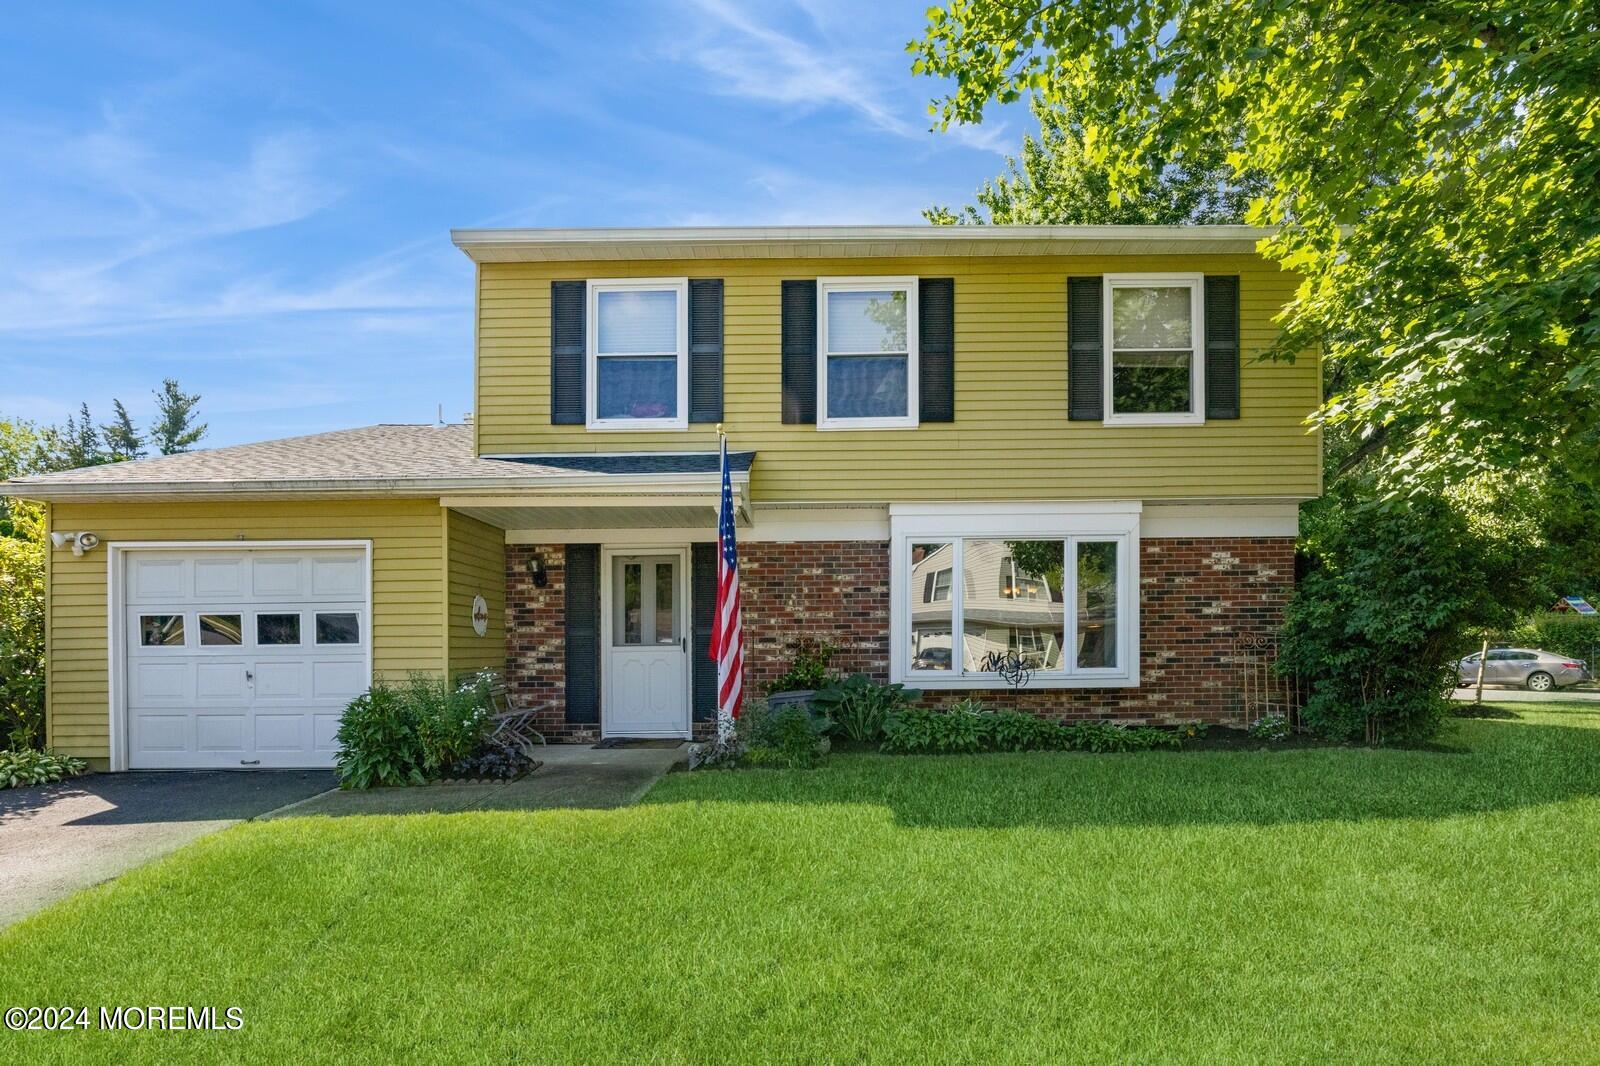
(866, 353)
(1155, 362)
(974, 593)
(637, 372)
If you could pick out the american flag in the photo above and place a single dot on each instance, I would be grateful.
(727, 628)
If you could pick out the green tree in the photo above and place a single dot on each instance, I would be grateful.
(22, 626)
(177, 428)
(76, 443)
(22, 451)
(1434, 168)
(1054, 182)
(123, 441)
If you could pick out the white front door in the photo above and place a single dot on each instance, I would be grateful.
(242, 658)
(646, 685)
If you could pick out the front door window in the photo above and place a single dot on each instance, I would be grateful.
(645, 602)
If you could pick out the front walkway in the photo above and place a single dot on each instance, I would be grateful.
(58, 839)
(572, 775)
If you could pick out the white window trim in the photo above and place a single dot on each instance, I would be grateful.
(867, 284)
(1115, 521)
(591, 369)
(1196, 415)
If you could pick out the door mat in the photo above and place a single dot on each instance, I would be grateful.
(627, 742)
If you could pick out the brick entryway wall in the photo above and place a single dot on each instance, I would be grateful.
(1197, 597)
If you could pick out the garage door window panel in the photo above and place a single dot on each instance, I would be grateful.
(161, 630)
(338, 627)
(277, 630)
(221, 630)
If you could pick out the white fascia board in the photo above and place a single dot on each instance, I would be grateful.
(693, 242)
(398, 488)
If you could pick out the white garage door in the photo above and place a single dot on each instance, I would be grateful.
(242, 658)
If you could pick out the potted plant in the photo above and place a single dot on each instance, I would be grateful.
(807, 672)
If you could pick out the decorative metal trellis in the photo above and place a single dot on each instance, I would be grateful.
(1262, 690)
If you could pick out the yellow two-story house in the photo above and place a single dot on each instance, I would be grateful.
(954, 450)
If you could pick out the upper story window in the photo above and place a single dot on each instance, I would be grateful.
(1155, 368)
(638, 363)
(867, 353)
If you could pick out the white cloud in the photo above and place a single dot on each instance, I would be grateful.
(757, 61)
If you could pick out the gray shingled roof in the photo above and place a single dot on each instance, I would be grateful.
(385, 458)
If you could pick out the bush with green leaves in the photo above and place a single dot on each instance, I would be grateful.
(1269, 727)
(791, 736)
(858, 707)
(28, 766)
(1389, 600)
(808, 667)
(22, 667)
(967, 727)
(451, 719)
(410, 734)
(378, 742)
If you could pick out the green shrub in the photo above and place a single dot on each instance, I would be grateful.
(790, 736)
(411, 734)
(859, 707)
(967, 727)
(1269, 727)
(28, 766)
(808, 667)
(22, 554)
(378, 742)
(1389, 600)
(451, 719)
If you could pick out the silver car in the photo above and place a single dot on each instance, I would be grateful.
(1539, 671)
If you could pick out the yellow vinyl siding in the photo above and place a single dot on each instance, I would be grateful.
(1011, 438)
(475, 564)
(407, 587)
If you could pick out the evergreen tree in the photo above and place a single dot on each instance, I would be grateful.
(176, 428)
(123, 441)
(77, 443)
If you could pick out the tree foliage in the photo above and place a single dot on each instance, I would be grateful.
(1054, 182)
(1389, 601)
(1434, 167)
(177, 427)
(22, 627)
(122, 440)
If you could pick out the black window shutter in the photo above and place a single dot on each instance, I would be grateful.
(1085, 350)
(799, 352)
(936, 342)
(583, 632)
(705, 349)
(567, 300)
(703, 595)
(1222, 346)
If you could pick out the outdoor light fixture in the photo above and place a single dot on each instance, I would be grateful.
(536, 570)
(81, 542)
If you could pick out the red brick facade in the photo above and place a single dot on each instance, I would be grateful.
(1197, 597)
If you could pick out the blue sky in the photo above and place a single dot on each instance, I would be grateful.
(257, 200)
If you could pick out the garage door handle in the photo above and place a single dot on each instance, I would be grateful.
(249, 762)
(248, 676)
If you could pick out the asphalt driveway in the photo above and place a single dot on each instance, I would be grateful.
(58, 839)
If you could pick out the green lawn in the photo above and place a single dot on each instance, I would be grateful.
(1221, 906)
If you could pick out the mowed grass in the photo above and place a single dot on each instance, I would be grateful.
(1311, 905)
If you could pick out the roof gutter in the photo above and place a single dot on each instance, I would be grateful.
(397, 488)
